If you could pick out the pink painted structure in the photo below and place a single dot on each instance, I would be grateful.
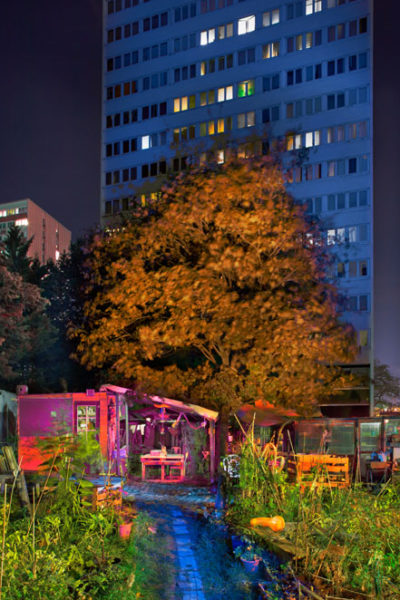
(46, 415)
(119, 417)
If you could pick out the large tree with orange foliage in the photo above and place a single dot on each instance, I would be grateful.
(218, 293)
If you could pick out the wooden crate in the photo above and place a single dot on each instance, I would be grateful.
(319, 469)
(107, 497)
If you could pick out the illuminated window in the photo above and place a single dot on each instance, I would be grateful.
(363, 340)
(225, 93)
(309, 40)
(246, 25)
(86, 418)
(21, 222)
(220, 157)
(220, 126)
(330, 237)
(145, 142)
(207, 37)
(299, 42)
(246, 88)
(271, 50)
(272, 17)
(211, 127)
(313, 6)
(246, 119)
(312, 138)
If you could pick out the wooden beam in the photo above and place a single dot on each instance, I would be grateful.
(212, 449)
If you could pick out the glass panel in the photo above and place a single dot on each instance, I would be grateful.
(309, 437)
(370, 436)
(342, 439)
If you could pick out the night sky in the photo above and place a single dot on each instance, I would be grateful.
(51, 107)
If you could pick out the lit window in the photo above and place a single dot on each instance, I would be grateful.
(145, 142)
(309, 39)
(241, 121)
(220, 157)
(21, 222)
(211, 127)
(207, 37)
(246, 88)
(57, 255)
(314, 6)
(329, 135)
(177, 104)
(299, 42)
(246, 25)
(331, 168)
(271, 17)
(271, 50)
(184, 103)
(220, 126)
(330, 237)
(203, 129)
(352, 234)
(340, 235)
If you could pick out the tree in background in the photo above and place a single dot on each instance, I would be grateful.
(217, 294)
(16, 259)
(62, 287)
(25, 331)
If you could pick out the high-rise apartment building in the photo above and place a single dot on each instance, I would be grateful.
(50, 238)
(181, 77)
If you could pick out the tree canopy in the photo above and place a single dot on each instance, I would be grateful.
(217, 293)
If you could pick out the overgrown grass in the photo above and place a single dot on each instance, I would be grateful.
(351, 537)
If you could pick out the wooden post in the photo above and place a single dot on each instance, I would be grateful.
(212, 449)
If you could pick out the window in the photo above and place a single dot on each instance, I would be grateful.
(246, 119)
(293, 141)
(271, 82)
(312, 6)
(183, 103)
(207, 37)
(225, 93)
(225, 31)
(271, 17)
(271, 50)
(299, 42)
(246, 88)
(312, 138)
(246, 25)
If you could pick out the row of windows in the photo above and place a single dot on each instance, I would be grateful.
(246, 56)
(118, 5)
(187, 11)
(131, 116)
(131, 29)
(339, 133)
(354, 303)
(311, 106)
(297, 42)
(131, 173)
(308, 106)
(332, 202)
(352, 269)
(133, 144)
(347, 235)
(330, 168)
(184, 42)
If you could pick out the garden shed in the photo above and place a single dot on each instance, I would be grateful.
(166, 438)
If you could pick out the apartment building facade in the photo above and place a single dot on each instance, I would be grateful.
(181, 78)
(50, 238)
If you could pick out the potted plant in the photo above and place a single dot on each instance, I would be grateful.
(250, 557)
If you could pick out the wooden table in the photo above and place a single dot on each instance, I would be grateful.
(174, 461)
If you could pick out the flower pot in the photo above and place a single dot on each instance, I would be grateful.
(251, 566)
(125, 530)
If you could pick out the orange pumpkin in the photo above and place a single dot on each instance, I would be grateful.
(276, 523)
